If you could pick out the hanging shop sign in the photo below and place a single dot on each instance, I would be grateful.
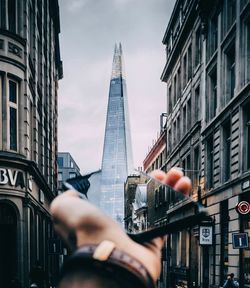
(206, 235)
(240, 240)
(11, 177)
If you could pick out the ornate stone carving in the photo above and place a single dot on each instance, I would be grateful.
(15, 50)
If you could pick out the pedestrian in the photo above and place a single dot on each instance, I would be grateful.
(231, 282)
(105, 256)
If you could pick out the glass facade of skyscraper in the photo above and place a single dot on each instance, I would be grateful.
(117, 152)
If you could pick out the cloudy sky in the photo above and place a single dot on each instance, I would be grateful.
(89, 31)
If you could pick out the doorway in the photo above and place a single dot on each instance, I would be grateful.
(8, 244)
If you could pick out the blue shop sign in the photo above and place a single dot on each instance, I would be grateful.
(240, 240)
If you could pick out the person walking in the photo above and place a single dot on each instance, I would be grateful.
(231, 282)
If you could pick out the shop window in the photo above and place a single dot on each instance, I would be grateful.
(224, 240)
(246, 253)
(210, 162)
(226, 150)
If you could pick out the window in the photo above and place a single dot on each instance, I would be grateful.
(224, 240)
(175, 89)
(197, 104)
(196, 168)
(246, 51)
(12, 15)
(13, 119)
(197, 47)
(72, 175)
(170, 99)
(13, 129)
(169, 140)
(210, 162)
(178, 129)
(189, 114)
(230, 63)
(60, 176)
(184, 70)
(226, 149)
(231, 12)
(186, 165)
(184, 127)
(246, 136)
(60, 161)
(178, 83)
(31, 32)
(213, 36)
(174, 134)
(212, 99)
(3, 14)
(189, 69)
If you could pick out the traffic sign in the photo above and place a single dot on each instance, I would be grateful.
(240, 240)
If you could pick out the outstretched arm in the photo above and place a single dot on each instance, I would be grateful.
(89, 225)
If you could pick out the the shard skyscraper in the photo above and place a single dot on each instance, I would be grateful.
(117, 160)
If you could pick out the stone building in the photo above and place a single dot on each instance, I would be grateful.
(208, 106)
(67, 168)
(30, 67)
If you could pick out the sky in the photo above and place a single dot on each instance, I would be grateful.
(89, 31)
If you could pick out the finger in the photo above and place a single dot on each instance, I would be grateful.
(183, 185)
(159, 175)
(173, 176)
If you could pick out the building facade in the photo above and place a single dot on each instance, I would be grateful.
(117, 160)
(67, 168)
(208, 96)
(30, 67)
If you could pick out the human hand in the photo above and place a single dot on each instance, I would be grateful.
(89, 225)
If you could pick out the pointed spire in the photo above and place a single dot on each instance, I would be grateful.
(117, 68)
